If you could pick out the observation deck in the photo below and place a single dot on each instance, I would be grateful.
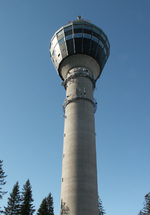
(79, 38)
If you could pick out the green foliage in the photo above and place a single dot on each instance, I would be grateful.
(50, 204)
(146, 205)
(146, 208)
(101, 210)
(13, 205)
(46, 207)
(43, 210)
(27, 207)
(140, 213)
(2, 181)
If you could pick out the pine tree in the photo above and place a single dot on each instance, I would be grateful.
(2, 181)
(101, 210)
(13, 205)
(146, 208)
(46, 207)
(140, 213)
(27, 207)
(43, 210)
(50, 204)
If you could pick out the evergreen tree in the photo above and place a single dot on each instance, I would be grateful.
(43, 210)
(140, 213)
(101, 210)
(50, 204)
(46, 207)
(2, 180)
(13, 205)
(27, 207)
(146, 208)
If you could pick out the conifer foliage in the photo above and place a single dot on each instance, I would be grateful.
(27, 207)
(146, 208)
(101, 210)
(13, 205)
(2, 180)
(46, 207)
(146, 205)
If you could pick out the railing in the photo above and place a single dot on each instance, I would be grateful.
(79, 72)
(68, 101)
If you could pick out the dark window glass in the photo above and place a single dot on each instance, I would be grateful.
(88, 36)
(93, 48)
(101, 44)
(78, 45)
(77, 26)
(95, 39)
(107, 44)
(102, 35)
(69, 37)
(68, 28)
(68, 33)
(99, 52)
(70, 46)
(87, 29)
(86, 45)
(96, 30)
(77, 35)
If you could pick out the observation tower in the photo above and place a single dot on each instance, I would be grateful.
(79, 51)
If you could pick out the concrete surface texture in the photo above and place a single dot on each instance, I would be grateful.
(79, 172)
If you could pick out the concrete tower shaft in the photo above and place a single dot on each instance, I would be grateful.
(79, 51)
(79, 172)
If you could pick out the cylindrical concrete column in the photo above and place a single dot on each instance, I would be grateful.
(79, 173)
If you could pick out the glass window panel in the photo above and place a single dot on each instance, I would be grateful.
(59, 33)
(68, 28)
(95, 39)
(61, 41)
(78, 35)
(88, 27)
(88, 36)
(102, 35)
(69, 37)
(105, 50)
(107, 44)
(77, 26)
(101, 44)
(96, 30)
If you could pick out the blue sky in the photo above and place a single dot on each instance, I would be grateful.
(31, 98)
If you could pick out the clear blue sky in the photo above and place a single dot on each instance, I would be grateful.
(31, 98)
